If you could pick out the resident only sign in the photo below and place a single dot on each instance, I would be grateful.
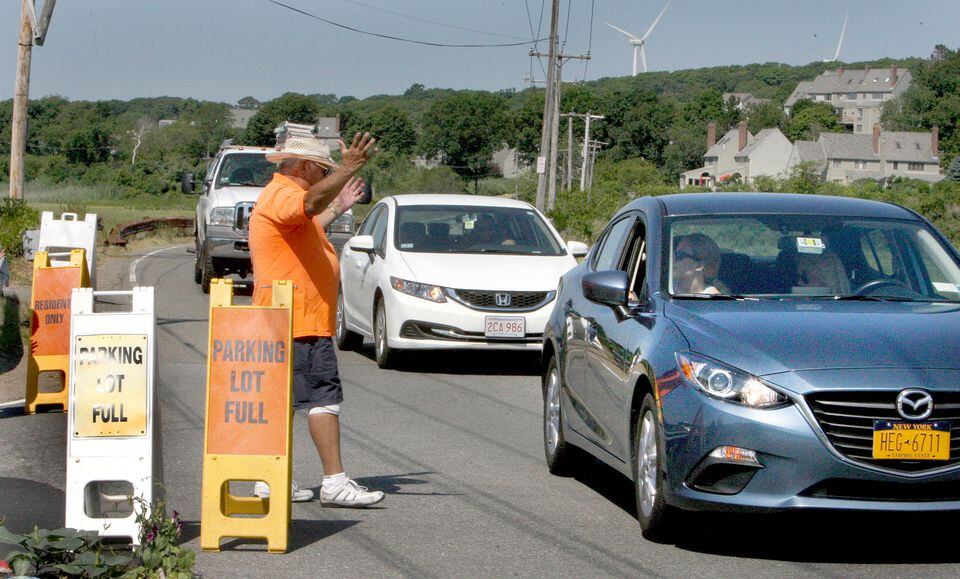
(110, 398)
(249, 377)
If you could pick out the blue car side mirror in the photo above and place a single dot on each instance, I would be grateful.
(606, 287)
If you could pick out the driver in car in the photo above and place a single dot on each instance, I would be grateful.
(696, 261)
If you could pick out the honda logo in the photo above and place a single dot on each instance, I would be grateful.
(914, 404)
(503, 300)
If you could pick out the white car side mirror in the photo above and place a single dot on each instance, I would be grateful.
(578, 248)
(362, 243)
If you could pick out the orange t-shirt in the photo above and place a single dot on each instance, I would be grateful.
(286, 244)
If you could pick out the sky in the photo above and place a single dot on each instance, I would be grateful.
(224, 50)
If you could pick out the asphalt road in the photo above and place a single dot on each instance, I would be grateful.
(455, 442)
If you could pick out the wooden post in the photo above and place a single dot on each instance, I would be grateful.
(18, 133)
(548, 107)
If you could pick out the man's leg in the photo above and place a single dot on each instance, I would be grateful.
(325, 430)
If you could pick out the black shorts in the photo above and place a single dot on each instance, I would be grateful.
(315, 378)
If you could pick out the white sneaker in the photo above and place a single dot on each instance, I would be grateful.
(349, 494)
(297, 495)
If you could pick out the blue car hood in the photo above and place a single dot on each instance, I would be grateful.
(770, 337)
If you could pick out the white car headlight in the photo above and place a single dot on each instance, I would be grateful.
(434, 293)
(222, 216)
(727, 383)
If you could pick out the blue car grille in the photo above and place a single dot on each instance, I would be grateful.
(846, 418)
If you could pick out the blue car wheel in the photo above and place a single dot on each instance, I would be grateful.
(655, 515)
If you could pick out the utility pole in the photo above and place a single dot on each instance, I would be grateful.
(568, 177)
(21, 91)
(547, 183)
(586, 140)
(31, 31)
(546, 131)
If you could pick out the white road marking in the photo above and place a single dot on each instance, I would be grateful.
(14, 403)
(136, 262)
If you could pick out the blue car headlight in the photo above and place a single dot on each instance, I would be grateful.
(727, 383)
(433, 293)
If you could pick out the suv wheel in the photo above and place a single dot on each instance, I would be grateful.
(656, 517)
(560, 455)
(197, 266)
(207, 272)
(346, 340)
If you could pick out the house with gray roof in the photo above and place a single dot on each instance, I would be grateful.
(740, 155)
(743, 100)
(857, 94)
(845, 157)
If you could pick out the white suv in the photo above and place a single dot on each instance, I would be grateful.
(234, 180)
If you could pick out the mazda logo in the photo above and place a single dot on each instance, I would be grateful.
(503, 300)
(915, 404)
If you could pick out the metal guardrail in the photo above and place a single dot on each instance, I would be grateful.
(120, 234)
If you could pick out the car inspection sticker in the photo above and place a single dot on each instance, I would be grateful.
(810, 245)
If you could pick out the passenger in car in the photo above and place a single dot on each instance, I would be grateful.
(413, 234)
(822, 270)
(485, 232)
(696, 261)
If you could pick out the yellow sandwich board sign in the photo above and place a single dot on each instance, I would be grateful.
(249, 418)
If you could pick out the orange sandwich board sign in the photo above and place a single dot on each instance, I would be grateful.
(113, 414)
(248, 418)
(50, 326)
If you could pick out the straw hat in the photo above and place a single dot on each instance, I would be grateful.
(308, 148)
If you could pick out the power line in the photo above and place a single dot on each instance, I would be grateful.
(535, 35)
(589, 42)
(397, 38)
(566, 31)
(401, 15)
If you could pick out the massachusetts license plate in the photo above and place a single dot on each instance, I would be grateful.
(911, 440)
(505, 327)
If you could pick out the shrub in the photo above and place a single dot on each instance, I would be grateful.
(15, 218)
(63, 552)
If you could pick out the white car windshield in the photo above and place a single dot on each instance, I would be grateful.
(474, 229)
(245, 169)
(809, 257)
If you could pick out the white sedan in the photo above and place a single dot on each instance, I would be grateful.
(450, 272)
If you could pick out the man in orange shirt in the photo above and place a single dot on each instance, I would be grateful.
(287, 241)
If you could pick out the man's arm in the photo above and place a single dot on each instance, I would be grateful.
(325, 190)
(352, 191)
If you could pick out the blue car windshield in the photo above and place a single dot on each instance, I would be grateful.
(808, 257)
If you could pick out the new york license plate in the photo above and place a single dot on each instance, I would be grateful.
(911, 440)
(505, 327)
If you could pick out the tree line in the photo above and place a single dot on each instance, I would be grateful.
(660, 117)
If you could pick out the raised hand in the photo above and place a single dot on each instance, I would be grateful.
(352, 191)
(360, 151)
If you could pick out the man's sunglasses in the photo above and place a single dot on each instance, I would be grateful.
(680, 255)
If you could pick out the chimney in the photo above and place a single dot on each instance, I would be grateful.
(893, 75)
(935, 141)
(876, 139)
(743, 136)
(711, 134)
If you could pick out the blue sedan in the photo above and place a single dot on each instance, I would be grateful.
(761, 352)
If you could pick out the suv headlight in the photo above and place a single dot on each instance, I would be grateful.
(222, 216)
(727, 383)
(434, 293)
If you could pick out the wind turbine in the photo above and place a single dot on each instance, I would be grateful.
(836, 55)
(638, 43)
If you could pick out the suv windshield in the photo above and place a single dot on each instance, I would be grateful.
(245, 169)
(808, 257)
(474, 229)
